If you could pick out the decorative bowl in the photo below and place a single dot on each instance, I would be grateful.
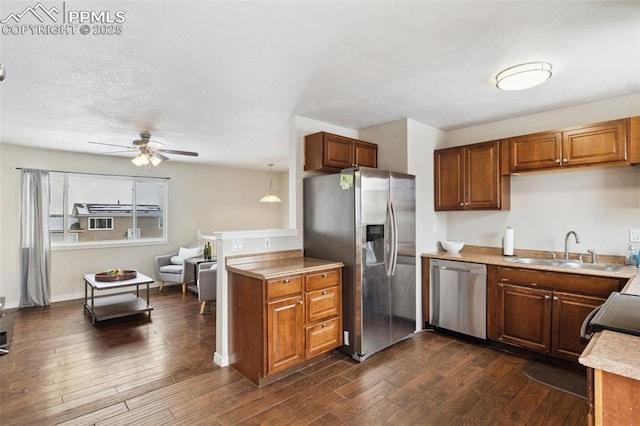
(109, 276)
(452, 246)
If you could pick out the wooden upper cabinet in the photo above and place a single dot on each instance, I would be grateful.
(601, 143)
(449, 167)
(594, 144)
(535, 152)
(469, 178)
(365, 154)
(331, 153)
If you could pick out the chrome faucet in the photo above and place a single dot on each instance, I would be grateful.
(566, 242)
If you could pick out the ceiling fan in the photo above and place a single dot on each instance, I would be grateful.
(149, 152)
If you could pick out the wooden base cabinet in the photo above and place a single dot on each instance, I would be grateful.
(278, 325)
(569, 311)
(543, 311)
(616, 399)
(526, 317)
(285, 338)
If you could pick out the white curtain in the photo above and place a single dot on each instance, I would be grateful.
(35, 287)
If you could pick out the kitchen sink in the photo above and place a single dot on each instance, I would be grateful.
(567, 263)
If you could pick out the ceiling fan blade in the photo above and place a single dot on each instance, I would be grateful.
(160, 156)
(173, 151)
(110, 144)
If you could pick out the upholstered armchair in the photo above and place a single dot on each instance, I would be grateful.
(207, 283)
(172, 268)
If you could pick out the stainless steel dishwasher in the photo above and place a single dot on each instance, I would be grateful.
(458, 297)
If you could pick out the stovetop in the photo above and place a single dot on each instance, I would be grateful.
(621, 312)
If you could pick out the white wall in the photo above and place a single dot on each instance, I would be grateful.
(430, 226)
(200, 197)
(392, 144)
(601, 205)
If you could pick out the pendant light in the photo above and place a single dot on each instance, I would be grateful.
(270, 197)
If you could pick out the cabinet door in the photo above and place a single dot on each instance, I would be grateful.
(323, 304)
(569, 311)
(601, 143)
(534, 152)
(285, 333)
(338, 152)
(525, 316)
(323, 337)
(449, 179)
(483, 176)
(365, 154)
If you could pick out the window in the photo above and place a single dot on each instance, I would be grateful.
(105, 210)
(100, 223)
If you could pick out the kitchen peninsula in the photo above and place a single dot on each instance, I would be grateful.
(285, 312)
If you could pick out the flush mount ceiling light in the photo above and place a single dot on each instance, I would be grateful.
(523, 76)
(270, 197)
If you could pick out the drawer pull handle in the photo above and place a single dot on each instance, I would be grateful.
(324, 275)
(285, 281)
(324, 292)
(546, 296)
(324, 325)
(300, 302)
(555, 297)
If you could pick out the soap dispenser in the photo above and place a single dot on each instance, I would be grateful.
(632, 256)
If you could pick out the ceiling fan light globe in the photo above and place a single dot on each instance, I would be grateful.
(137, 160)
(155, 160)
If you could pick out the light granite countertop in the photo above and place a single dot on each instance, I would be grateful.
(608, 350)
(266, 266)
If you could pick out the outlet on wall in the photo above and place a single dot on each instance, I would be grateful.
(236, 245)
(634, 235)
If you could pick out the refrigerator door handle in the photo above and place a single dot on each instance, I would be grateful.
(394, 238)
(388, 242)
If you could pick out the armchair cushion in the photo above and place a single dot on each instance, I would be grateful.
(171, 269)
(185, 252)
(176, 260)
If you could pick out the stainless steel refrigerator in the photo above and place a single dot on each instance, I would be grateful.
(366, 218)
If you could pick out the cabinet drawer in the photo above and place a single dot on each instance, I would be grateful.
(323, 337)
(323, 304)
(282, 287)
(322, 279)
(601, 286)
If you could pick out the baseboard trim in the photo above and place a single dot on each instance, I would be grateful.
(220, 361)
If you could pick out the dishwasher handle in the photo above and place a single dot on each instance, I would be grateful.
(449, 268)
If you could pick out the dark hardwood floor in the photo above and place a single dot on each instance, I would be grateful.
(63, 370)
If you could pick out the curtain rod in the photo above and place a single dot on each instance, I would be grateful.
(93, 174)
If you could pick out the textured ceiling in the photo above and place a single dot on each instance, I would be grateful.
(224, 78)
